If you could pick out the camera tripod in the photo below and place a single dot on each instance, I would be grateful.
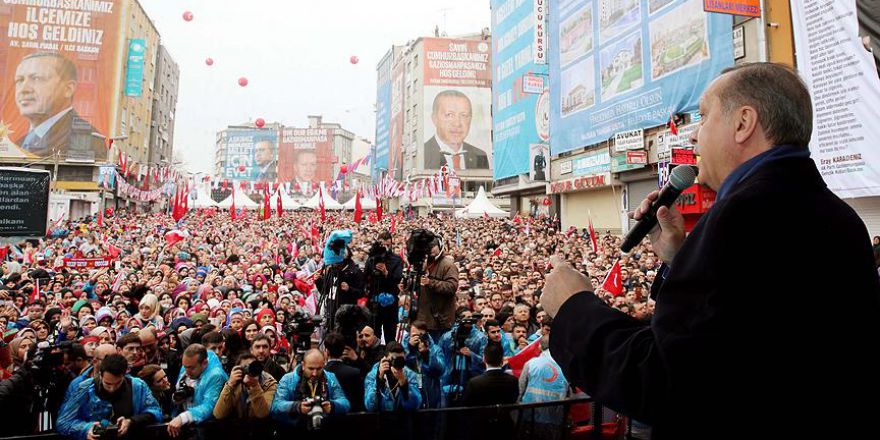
(328, 300)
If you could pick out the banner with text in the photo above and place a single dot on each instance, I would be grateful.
(842, 78)
(60, 64)
(619, 65)
(306, 156)
(383, 112)
(519, 117)
(251, 155)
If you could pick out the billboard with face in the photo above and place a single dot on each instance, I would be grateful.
(59, 77)
(306, 155)
(252, 155)
(457, 103)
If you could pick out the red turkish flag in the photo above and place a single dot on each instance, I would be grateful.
(358, 210)
(518, 361)
(593, 237)
(613, 281)
(379, 209)
(280, 207)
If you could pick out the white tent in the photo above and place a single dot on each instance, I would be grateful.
(287, 202)
(481, 206)
(329, 202)
(242, 201)
(202, 199)
(366, 204)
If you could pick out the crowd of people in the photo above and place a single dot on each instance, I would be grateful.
(215, 318)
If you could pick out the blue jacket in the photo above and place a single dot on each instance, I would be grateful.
(207, 390)
(476, 342)
(285, 406)
(78, 380)
(429, 371)
(542, 381)
(79, 412)
(410, 402)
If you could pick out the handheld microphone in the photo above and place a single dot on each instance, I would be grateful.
(681, 178)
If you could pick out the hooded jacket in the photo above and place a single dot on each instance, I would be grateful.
(83, 408)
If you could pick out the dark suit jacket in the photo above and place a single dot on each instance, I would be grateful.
(474, 158)
(494, 387)
(769, 312)
(73, 136)
(351, 382)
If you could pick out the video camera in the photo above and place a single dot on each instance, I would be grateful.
(378, 254)
(48, 359)
(418, 246)
(463, 329)
(183, 392)
(299, 329)
(334, 249)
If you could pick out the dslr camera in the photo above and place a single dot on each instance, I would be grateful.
(378, 254)
(106, 431)
(254, 369)
(183, 393)
(315, 416)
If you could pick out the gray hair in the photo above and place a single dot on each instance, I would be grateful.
(63, 66)
(779, 96)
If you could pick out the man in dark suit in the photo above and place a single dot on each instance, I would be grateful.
(494, 387)
(350, 378)
(264, 157)
(451, 115)
(45, 83)
(768, 308)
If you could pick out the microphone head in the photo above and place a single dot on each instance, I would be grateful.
(682, 177)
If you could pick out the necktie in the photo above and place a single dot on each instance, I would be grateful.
(456, 161)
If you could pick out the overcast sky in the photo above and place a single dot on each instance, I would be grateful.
(295, 54)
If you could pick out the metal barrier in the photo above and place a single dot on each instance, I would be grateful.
(546, 420)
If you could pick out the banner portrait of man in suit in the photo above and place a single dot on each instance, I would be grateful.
(451, 116)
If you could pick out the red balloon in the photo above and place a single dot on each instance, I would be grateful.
(188, 16)
(209, 61)
(243, 82)
(259, 122)
(343, 168)
(354, 59)
(241, 168)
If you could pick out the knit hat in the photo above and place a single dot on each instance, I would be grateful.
(78, 305)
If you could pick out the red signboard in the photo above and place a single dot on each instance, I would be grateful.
(581, 183)
(748, 8)
(695, 200)
(87, 263)
(637, 157)
(683, 156)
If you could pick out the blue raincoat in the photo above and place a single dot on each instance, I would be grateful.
(428, 371)
(207, 391)
(285, 406)
(80, 412)
(471, 367)
(389, 402)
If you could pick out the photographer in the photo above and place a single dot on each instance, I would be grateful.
(461, 348)
(436, 305)
(308, 394)
(390, 385)
(261, 350)
(247, 395)
(200, 381)
(384, 271)
(110, 406)
(425, 358)
(93, 370)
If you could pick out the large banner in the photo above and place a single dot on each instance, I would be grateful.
(306, 156)
(619, 65)
(59, 77)
(519, 114)
(395, 132)
(457, 103)
(838, 67)
(252, 155)
(383, 112)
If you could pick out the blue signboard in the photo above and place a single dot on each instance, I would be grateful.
(134, 76)
(625, 64)
(383, 113)
(251, 155)
(519, 116)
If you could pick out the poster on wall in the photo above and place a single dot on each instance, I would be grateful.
(457, 90)
(305, 156)
(383, 112)
(838, 67)
(520, 98)
(619, 65)
(60, 70)
(252, 155)
(539, 157)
